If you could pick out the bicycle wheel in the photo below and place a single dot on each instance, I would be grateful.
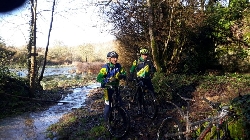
(127, 98)
(169, 130)
(118, 122)
(150, 106)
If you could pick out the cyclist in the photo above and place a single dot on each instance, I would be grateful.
(143, 68)
(111, 73)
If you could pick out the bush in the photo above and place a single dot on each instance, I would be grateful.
(166, 86)
(242, 108)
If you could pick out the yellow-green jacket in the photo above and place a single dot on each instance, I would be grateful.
(109, 71)
(142, 68)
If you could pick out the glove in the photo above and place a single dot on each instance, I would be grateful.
(121, 76)
(112, 79)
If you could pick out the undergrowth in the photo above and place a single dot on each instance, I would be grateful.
(226, 88)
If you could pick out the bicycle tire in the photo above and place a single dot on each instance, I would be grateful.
(126, 95)
(150, 106)
(118, 122)
(169, 126)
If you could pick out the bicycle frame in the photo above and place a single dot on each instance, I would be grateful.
(115, 96)
(118, 119)
(144, 98)
(139, 85)
(218, 120)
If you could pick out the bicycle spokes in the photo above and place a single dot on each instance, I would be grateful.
(118, 122)
(149, 104)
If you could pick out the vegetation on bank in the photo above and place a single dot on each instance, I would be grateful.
(215, 84)
(231, 89)
(187, 41)
(228, 89)
(14, 91)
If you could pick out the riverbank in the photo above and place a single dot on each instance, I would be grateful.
(87, 122)
(33, 125)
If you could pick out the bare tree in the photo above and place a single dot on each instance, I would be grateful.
(47, 46)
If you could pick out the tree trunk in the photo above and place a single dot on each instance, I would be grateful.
(47, 46)
(169, 36)
(153, 44)
(33, 64)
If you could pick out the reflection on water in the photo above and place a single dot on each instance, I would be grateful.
(32, 126)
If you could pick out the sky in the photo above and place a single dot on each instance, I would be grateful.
(75, 22)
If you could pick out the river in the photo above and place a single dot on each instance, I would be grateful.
(32, 126)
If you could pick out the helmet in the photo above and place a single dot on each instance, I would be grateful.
(144, 51)
(112, 54)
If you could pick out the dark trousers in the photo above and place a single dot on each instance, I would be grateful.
(107, 107)
(149, 84)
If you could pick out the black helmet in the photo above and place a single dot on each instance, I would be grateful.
(112, 54)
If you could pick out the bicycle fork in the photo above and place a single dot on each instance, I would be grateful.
(139, 98)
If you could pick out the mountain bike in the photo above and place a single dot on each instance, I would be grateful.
(142, 99)
(214, 127)
(118, 119)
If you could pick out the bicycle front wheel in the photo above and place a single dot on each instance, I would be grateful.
(118, 122)
(150, 106)
(170, 129)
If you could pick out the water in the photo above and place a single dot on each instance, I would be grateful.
(32, 126)
(50, 71)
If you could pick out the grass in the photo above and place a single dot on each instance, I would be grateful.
(219, 88)
(86, 124)
(62, 81)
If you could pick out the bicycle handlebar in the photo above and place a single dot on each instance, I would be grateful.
(184, 98)
(109, 86)
(212, 104)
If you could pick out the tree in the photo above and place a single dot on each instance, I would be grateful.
(32, 64)
(180, 34)
(86, 52)
(47, 46)
(155, 24)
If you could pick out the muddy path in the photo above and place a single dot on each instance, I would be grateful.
(32, 126)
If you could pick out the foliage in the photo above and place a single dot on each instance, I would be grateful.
(5, 55)
(231, 88)
(242, 108)
(229, 32)
(90, 125)
(63, 81)
(167, 84)
(83, 126)
(10, 86)
(61, 54)
(58, 55)
(188, 36)
(11, 89)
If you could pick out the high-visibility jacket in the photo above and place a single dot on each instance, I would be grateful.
(109, 71)
(142, 68)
